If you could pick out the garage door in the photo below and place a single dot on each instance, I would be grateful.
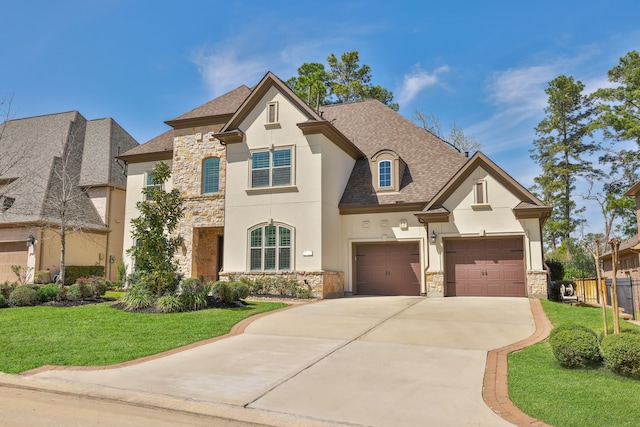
(485, 267)
(11, 254)
(387, 269)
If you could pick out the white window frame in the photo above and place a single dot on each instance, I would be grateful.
(263, 247)
(147, 177)
(480, 188)
(271, 168)
(271, 119)
(380, 164)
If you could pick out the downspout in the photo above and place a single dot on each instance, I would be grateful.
(107, 257)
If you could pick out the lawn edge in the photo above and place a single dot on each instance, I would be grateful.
(236, 329)
(495, 390)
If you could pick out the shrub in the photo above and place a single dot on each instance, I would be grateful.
(47, 292)
(23, 296)
(95, 287)
(571, 327)
(79, 291)
(575, 347)
(170, 304)
(303, 293)
(138, 297)
(239, 290)
(6, 288)
(621, 354)
(193, 294)
(222, 291)
(73, 272)
(3, 303)
(42, 277)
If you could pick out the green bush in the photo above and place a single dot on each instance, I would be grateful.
(3, 302)
(138, 297)
(95, 286)
(239, 290)
(42, 277)
(79, 291)
(170, 304)
(621, 354)
(303, 293)
(193, 294)
(73, 272)
(222, 291)
(23, 296)
(6, 288)
(571, 327)
(574, 347)
(47, 292)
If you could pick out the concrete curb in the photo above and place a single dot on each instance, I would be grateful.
(495, 387)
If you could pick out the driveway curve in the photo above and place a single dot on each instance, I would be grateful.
(372, 361)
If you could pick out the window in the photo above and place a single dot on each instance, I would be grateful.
(384, 174)
(210, 175)
(150, 184)
(272, 112)
(271, 168)
(480, 193)
(270, 248)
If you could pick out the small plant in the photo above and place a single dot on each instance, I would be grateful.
(621, 354)
(48, 292)
(122, 274)
(23, 296)
(239, 290)
(21, 273)
(222, 291)
(193, 294)
(3, 302)
(170, 304)
(139, 297)
(303, 293)
(42, 277)
(79, 290)
(6, 288)
(575, 347)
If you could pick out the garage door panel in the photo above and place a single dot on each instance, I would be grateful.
(11, 254)
(388, 269)
(485, 267)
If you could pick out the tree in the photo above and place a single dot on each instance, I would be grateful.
(455, 137)
(593, 246)
(346, 81)
(312, 83)
(153, 232)
(619, 112)
(9, 157)
(561, 152)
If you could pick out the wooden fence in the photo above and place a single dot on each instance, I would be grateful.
(587, 289)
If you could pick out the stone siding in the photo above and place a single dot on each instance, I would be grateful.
(201, 210)
(537, 284)
(323, 284)
(435, 283)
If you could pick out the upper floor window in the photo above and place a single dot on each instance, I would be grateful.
(272, 112)
(271, 168)
(384, 174)
(270, 248)
(210, 175)
(149, 183)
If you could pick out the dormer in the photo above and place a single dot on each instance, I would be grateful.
(387, 169)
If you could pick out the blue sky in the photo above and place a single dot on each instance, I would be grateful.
(481, 65)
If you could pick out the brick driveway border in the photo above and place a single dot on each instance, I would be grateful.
(495, 390)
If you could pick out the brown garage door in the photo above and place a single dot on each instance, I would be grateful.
(485, 267)
(387, 269)
(11, 254)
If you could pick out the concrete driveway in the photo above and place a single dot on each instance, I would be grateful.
(373, 361)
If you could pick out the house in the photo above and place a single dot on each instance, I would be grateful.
(348, 199)
(629, 251)
(61, 163)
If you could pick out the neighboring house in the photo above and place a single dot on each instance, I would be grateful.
(61, 162)
(629, 251)
(351, 199)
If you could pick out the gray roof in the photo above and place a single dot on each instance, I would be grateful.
(39, 151)
(224, 104)
(372, 126)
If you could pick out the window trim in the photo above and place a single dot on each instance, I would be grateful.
(389, 174)
(202, 176)
(147, 177)
(272, 122)
(277, 247)
(480, 189)
(270, 168)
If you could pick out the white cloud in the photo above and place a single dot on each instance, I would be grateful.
(223, 70)
(415, 82)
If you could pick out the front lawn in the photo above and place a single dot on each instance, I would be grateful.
(562, 397)
(97, 335)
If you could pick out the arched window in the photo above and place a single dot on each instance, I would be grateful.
(270, 247)
(210, 175)
(384, 174)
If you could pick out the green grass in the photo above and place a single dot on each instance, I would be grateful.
(540, 387)
(98, 335)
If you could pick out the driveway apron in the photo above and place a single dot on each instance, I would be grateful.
(374, 361)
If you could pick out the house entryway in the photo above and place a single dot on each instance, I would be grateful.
(387, 268)
(14, 253)
(207, 252)
(485, 267)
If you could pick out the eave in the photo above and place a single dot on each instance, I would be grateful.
(199, 121)
(369, 209)
(439, 214)
(327, 129)
(147, 157)
(230, 136)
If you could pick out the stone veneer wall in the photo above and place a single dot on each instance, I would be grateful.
(435, 283)
(537, 284)
(323, 284)
(201, 210)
